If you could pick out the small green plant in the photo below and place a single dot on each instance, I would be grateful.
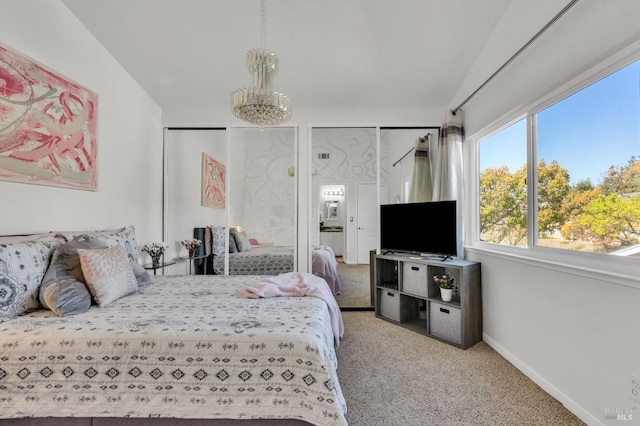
(444, 281)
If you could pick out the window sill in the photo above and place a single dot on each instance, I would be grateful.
(618, 270)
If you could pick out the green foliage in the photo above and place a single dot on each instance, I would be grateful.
(607, 215)
(503, 205)
(553, 188)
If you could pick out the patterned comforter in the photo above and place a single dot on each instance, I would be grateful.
(182, 346)
(270, 260)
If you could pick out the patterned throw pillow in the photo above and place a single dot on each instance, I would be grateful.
(108, 274)
(22, 267)
(217, 240)
(126, 238)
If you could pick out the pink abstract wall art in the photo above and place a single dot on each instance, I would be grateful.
(213, 183)
(48, 126)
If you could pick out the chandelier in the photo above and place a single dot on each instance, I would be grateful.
(259, 104)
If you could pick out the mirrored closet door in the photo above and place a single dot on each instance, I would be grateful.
(262, 198)
(237, 178)
(343, 204)
(354, 170)
(193, 196)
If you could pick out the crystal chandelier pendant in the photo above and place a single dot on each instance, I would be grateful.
(259, 104)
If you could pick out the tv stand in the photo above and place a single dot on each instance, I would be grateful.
(406, 295)
(442, 257)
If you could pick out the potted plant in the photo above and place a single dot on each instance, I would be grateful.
(155, 250)
(446, 283)
(191, 246)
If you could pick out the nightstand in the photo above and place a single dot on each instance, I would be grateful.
(160, 266)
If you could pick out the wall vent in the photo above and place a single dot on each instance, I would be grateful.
(323, 156)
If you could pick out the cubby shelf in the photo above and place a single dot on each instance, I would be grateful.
(405, 294)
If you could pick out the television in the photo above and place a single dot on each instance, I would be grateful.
(426, 228)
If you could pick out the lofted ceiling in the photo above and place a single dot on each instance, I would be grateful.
(333, 53)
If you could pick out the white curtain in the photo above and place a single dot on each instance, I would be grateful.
(448, 172)
(421, 188)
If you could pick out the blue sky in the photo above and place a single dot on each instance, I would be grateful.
(586, 133)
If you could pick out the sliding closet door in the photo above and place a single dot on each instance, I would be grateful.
(191, 200)
(262, 184)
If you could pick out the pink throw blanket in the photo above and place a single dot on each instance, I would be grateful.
(298, 284)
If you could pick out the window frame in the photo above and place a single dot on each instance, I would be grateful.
(606, 267)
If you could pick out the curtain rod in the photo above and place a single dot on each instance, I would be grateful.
(423, 139)
(527, 44)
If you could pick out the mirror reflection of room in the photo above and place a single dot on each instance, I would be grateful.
(261, 202)
(332, 222)
(253, 230)
(344, 160)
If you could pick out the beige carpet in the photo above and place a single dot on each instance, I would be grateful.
(393, 376)
(355, 286)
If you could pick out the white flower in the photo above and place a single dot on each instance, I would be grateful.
(155, 249)
(191, 244)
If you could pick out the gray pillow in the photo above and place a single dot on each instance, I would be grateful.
(63, 290)
(242, 241)
(233, 248)
(142, 277)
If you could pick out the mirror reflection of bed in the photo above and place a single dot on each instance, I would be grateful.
(260, 183)
(262, 173)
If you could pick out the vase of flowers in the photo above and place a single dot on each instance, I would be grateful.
(155, 250)
(447, 284)
(191, 246)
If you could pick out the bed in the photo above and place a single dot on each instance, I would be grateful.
(325, 265)
(180, 347)
(265, 260)
(259, 259)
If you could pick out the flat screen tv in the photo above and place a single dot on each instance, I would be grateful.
(427, 228)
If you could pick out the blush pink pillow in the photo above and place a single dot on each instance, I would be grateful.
(108, 273)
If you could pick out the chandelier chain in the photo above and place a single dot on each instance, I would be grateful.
(260, 104)
(263, 26)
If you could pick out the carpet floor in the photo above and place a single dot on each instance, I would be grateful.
(393, 376)
(355, 286)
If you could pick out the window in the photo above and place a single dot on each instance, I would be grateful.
(587, 169)
(503, 191)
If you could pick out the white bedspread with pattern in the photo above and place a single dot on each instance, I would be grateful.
(269, 260)
(183, 346)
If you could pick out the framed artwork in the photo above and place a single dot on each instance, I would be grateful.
(48, 126)
(213, 183)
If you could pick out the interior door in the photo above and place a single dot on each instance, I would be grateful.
(367, 221)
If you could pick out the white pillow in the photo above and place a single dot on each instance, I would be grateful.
(108, 274)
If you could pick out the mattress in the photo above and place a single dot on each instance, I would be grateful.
(182, 346)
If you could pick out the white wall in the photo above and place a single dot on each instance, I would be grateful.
(577, 337)
(129, 126)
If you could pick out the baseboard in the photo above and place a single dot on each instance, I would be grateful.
(547, 386)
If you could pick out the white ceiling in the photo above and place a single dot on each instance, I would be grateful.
(333, 53)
